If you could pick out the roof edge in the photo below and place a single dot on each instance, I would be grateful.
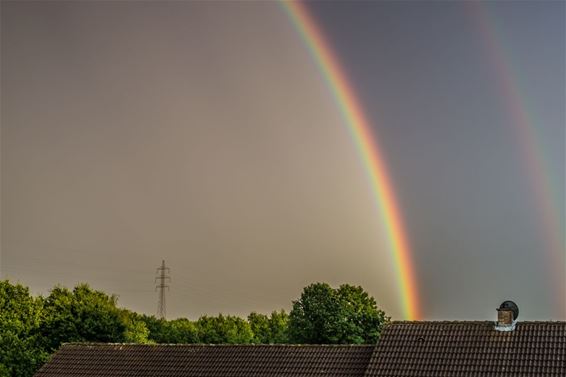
(251, 345)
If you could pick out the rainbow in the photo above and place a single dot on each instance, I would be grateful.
(532, 151)
(368, 149)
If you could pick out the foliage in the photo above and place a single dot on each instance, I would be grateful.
(172, 332)
(155, 327)
(269, 329)
(20, 318)
(82, 315)
(347, 315)
(224, 330)
(259, 324)
(33, 327)
(279, 327)
(182, 330)
(136, 330)
(175, 331)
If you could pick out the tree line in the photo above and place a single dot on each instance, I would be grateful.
(33, 327)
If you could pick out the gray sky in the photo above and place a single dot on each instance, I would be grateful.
(204, 134)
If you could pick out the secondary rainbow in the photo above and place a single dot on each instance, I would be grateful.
(532, 151)
(366, 144)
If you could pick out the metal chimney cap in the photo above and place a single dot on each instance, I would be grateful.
(507, 314)
(510, 306)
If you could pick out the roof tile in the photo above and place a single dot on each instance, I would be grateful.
(469, 349)
(112, 360)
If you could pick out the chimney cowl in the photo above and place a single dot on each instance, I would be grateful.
(507, 314)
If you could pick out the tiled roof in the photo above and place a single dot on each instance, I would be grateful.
(405, 349)
(118, 360)
(469, 349)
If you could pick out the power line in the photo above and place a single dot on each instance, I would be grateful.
(161, 279)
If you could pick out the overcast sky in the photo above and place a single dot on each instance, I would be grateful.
(203, 133)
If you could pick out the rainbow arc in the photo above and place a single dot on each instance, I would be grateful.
(532, 151)
(368, 149)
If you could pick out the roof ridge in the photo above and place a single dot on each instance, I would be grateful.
(471, 322)
(101, 344)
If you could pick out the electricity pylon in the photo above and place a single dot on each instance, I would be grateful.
(161, 280)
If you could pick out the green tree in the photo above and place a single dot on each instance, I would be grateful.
(82, 315)
(279, 327)
(155, 326)
(224, 330)
(269, 329)
(136, 330)
(347, 315)
(181, 330)
(259, 324)
(20, 317)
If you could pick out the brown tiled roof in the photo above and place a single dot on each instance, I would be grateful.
(118, 360)
(405, 349)
(470, 349)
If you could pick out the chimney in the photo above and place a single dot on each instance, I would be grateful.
(507, 314)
